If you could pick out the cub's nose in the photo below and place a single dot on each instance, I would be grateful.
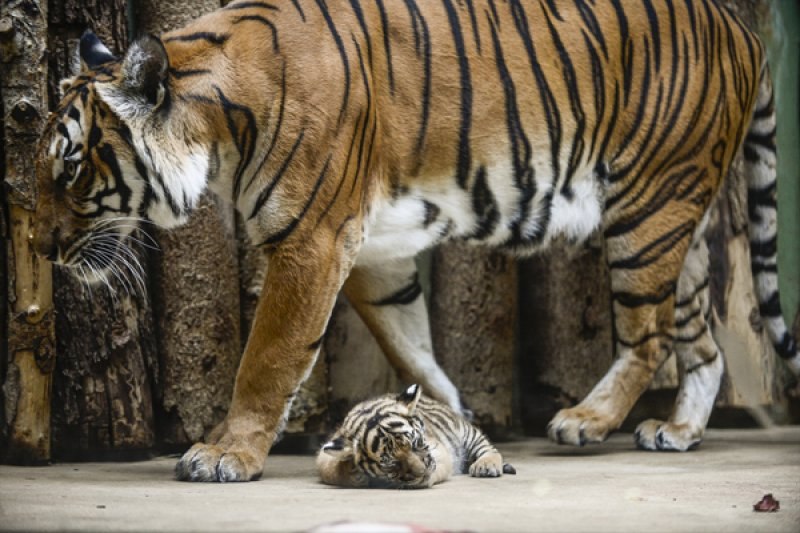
(45, 244)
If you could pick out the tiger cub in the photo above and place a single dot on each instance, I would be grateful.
(406, 441)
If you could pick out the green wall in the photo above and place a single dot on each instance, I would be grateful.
(785, 64)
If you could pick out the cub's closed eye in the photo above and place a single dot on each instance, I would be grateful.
(70, 167)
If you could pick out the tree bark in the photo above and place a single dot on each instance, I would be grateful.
(196, 278)
(473, 324)
(102, 398)
(30, 340)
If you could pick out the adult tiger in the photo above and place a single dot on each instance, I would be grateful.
(353, 134)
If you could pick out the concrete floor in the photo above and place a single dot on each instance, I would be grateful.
(611, 487)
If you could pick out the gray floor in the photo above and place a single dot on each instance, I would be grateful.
(611, 487)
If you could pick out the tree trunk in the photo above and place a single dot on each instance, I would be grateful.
(30, 340)
(565, 329)
(473, 324)
(196, 278)
(102, 397)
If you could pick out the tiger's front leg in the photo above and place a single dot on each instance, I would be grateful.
(295, 305)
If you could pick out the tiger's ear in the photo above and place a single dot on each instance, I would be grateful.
(92, 52)
(410, 397)
(338, 448)
(143, 84)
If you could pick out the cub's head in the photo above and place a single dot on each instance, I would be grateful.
(384, 444)
(92, 186)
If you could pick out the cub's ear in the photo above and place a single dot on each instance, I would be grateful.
(410, 397)
(338, 448)
(92, 52)
(142, 87)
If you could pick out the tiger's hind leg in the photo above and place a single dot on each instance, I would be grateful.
(388, 297)
(645, 258)
(700, 362)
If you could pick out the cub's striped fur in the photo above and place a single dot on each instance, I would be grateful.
(406, 441)
(351, 134)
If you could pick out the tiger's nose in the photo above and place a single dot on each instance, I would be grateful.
(45, 244)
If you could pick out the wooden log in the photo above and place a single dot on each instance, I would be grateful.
(473, 308)
(565, 329)
(29, 335)
(102, 395)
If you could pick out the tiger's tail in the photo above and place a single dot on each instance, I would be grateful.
(760, 165)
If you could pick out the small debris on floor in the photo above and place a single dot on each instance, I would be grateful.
(768, 504)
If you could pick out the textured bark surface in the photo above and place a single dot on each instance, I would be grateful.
(473, 310)
(196, 278)
(28, 367)
(102, 393)
(565, 329)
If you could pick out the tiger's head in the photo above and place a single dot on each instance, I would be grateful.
(387, 444)
(94, 183)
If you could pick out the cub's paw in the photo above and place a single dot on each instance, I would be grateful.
(489, 465)
(208, 462)
(658, 435)
(579, 425)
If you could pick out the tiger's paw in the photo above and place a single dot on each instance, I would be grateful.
(579, 426)
(665, 436)
(489, 465)
(209, 462)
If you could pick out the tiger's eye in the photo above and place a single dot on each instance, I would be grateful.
(70, 167)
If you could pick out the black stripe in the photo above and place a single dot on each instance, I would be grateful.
(187, 73)
(404, 295)
(772, 307)
(465, 82)
(387, 46)
(363, 25)
(768, 248)
(265, 194)
(426, 77)
(570, 79)
(655, 33)
(484, 205)
(520, 145)
(265, 22)
(656, 249)
(285, 232)
(243, 135)
(473, 20)
(214, 38)
(314, 346)
(342, 53)
(551, 108)
(245, 5)
(631, 300)
(273, 141)
(787, 347)
(299, 9)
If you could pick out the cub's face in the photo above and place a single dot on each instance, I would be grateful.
(387, 444)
